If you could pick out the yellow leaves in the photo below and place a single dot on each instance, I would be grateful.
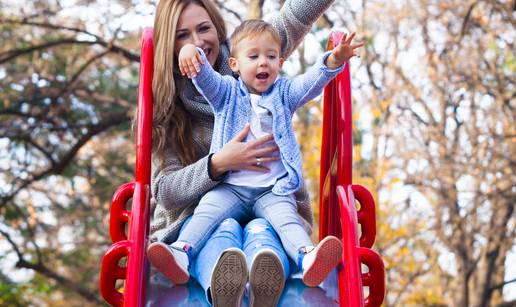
(357, 154)
(510, 64)
(392, 183)
(384, 104)
(376, 113)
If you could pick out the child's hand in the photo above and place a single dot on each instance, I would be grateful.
(188, 60)
(343, 52)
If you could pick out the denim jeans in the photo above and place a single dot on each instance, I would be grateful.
(243, 203)
(258, 234)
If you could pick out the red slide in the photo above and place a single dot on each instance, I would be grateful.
(129, 229)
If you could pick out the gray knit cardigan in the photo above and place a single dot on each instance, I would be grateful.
(176, 189)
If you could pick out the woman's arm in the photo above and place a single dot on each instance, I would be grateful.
(175, 186)
(294, 21)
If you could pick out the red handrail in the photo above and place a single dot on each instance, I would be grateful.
(119, 216)
(132, 246)
(338, 213)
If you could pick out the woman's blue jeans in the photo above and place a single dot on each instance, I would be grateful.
(257, 234)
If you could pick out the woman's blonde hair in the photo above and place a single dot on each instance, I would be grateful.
(171, 125)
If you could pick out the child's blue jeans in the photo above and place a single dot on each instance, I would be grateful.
(243, 203)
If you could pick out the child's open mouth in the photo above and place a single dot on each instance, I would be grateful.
(262, 76)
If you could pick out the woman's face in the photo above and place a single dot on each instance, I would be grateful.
(195, 27)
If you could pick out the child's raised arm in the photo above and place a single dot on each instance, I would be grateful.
(188, 60)
(212, 85)
(343, 52)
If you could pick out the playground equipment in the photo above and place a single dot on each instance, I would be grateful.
(338, 213)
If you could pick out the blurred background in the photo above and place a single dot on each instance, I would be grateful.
(434, 133)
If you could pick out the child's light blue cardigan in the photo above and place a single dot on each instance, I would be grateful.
(231, 104)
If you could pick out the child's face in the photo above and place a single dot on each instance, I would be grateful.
(257, 61)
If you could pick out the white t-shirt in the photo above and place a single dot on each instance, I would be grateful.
(261, 125)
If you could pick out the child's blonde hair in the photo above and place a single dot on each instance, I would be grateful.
(250, 29)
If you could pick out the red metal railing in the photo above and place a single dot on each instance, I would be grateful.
(338, 213)
(132, 246)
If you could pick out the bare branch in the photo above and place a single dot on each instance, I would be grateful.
(59, 166)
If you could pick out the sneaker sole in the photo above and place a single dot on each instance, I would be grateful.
(329, 253)
(228, 279)
(266, 280)
(164, 261)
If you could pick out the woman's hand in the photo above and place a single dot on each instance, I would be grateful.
(343, 52)
(188, 60)
(237, 155)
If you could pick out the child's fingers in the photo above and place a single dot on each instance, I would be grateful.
(195, 64)
(357, 45)
(182, 67)
(199, 58)
(186, 67)
(191, 68)
(343, 39)
(350, 38)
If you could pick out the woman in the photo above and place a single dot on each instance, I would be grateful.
(183, 169)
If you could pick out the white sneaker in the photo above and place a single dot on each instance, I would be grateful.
(229, 278)
(319, 262)
(171, 262)
(266, 280)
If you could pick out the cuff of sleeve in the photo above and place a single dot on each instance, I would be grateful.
(209, 170)
(326, 69)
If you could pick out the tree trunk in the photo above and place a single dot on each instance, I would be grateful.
(254, 10)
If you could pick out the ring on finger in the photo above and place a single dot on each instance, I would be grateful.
(258, 161)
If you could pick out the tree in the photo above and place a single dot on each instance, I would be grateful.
(67, 95)
(437, 78)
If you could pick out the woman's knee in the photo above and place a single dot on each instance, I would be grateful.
(260, 229)
(229, 224)
(257, 224)
(227, 234)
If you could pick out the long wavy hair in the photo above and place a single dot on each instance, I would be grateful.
(171, 125)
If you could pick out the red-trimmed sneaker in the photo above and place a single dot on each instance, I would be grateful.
(319, 262)
(171, 262)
